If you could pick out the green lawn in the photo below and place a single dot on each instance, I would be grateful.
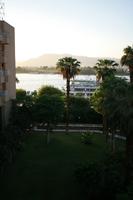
(46, 172)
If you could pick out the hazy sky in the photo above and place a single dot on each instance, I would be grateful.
(94, 28)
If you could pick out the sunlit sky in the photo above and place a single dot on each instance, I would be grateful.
(93, 28)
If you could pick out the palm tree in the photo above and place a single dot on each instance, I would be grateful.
(127, 59)
(69, 67)
(105, 68)
(127, 112)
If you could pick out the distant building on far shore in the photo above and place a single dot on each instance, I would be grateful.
(7, 71)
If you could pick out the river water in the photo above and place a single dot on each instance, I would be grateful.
(31, 82)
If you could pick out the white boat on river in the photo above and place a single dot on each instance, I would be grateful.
(31, 82)
(83, 87)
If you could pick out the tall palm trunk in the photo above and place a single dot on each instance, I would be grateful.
(131, 74)
(113, 140)
(105, 127)
(67, 101)
(48, 133)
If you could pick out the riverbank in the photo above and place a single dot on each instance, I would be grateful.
(53, 70)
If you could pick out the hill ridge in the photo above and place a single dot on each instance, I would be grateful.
(50, 60)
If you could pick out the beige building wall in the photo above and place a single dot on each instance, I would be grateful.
(7, 70)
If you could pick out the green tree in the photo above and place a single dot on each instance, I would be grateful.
(48, 109)
(97, 100)
(127, 111)
(24, 107)
(25, 98)
(115, 97)
(81, 111)
(115, 90)
(123, 99)
(105, 68)
(69, 67)
(20, 96)
(127, 59)
(108, 99)
(49, 90)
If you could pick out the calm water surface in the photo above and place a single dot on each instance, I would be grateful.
(31, 82)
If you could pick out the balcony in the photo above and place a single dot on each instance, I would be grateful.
(4, 39)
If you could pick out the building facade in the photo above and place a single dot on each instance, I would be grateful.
(7, 71)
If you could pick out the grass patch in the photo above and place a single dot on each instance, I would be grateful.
(45, 172)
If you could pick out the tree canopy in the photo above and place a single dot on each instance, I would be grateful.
(49, 90)
(48, 109)
(68, 66)
(127, 59)
(105, 68)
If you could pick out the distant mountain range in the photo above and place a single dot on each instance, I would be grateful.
(50, 60)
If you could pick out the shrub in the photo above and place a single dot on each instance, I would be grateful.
(123, 196)
(127, 194)
(87, 138)
(10, 143)
(101, 179)
(88, 174)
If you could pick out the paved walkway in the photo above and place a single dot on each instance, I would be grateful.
(62, 130)
(70, 130)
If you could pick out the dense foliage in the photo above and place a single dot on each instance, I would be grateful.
(87, 138)
(127, 59)
(48, 109)
(81, 111)
(110, 99)
(40, 106)
(49, 90)
(10, 143)
(101, 179)
(11, 138)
